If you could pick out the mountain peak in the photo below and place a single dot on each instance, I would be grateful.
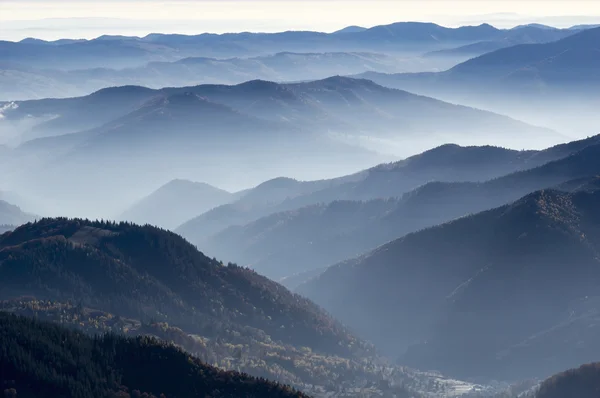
(278, 182)
(175, 202)
(345, 82)
(535, 25)
(258, 84)
(179, 184)
(121, 91)
(350, 29)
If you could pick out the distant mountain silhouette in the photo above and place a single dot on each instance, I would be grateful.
(580, 27)
(43, 360)
(529, 81)
(566, 61)
(190, 121)
(122, 51)
(472, 50)
(213, 130)
(535, 25)
(260, 200)
(13, 215)
(70, 115)
(445, 163)
(19, 82)
(152, 275)
(333, 103)
(507, 293)
(171, 204)
(351, 29)
(569, 60)
(331, 224)
(523, 34)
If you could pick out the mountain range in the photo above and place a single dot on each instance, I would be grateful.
(148, 274)
(525, 34)
(553, 82)
(567, 62)
(137, 281)
(399, 211)
(18, 82)
(334, 103)
(210, 131)
(123, 51)
(330, 224)
(507, 293)
(36, 68)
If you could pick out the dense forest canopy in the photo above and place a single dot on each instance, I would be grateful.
(43, 360)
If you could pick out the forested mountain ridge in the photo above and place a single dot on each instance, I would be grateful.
(315, 236)
(173, 281)
(533, 262)
(225, 314)
(44, 360)
(138, 281)
(447, 163)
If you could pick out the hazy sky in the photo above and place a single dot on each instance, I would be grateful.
(50, 19)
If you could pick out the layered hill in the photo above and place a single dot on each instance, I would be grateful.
(332, 103)
(123, 51)
(43, 360)
(173, 281)
(447, 163)
(568, 62)
(240, 319)
(138, 281)
(346, 220)
(506, 293)
(13, 215)
(212, 132)
(550, 84)
(255, 202)
(19, 82)
(171, 204)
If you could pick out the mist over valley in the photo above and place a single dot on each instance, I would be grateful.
(403, 210)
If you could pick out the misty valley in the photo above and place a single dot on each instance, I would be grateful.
(405, 211)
